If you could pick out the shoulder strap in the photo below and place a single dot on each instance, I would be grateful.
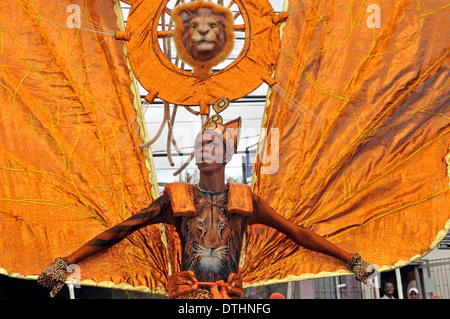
(240, 199)
(181, 196)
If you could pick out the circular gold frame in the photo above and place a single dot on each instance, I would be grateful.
(163, 79)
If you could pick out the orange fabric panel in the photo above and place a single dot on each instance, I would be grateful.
(362, 113)
(70, 164)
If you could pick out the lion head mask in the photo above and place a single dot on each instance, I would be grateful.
(204, 35)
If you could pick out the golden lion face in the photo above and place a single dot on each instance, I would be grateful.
(204, 34)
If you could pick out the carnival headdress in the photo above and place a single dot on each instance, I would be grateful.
(229, 132)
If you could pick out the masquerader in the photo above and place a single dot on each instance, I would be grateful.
(210, 218)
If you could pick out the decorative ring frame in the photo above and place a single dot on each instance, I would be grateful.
(163, 79)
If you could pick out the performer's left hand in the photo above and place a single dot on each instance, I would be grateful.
(362, 269)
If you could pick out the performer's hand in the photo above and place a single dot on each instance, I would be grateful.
(361, 268)
(54, 276)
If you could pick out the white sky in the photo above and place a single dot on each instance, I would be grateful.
(187, 126)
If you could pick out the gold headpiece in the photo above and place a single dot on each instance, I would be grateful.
(229, 132)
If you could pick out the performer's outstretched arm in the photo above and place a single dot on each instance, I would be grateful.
(264, 214)
(158, 212)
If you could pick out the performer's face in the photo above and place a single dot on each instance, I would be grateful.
(209, 150)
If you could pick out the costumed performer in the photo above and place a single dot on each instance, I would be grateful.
(210, 218)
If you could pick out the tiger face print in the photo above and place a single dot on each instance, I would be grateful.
(212, 238)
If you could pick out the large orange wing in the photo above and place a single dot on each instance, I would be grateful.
(360, 121)
(70, 165)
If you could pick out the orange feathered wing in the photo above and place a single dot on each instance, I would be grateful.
(70, 164)
(357, 131)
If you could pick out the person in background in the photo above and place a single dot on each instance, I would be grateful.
(277, 295)
(413, 293)
(388, 291)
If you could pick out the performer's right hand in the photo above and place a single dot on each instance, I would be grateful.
(54, 276)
